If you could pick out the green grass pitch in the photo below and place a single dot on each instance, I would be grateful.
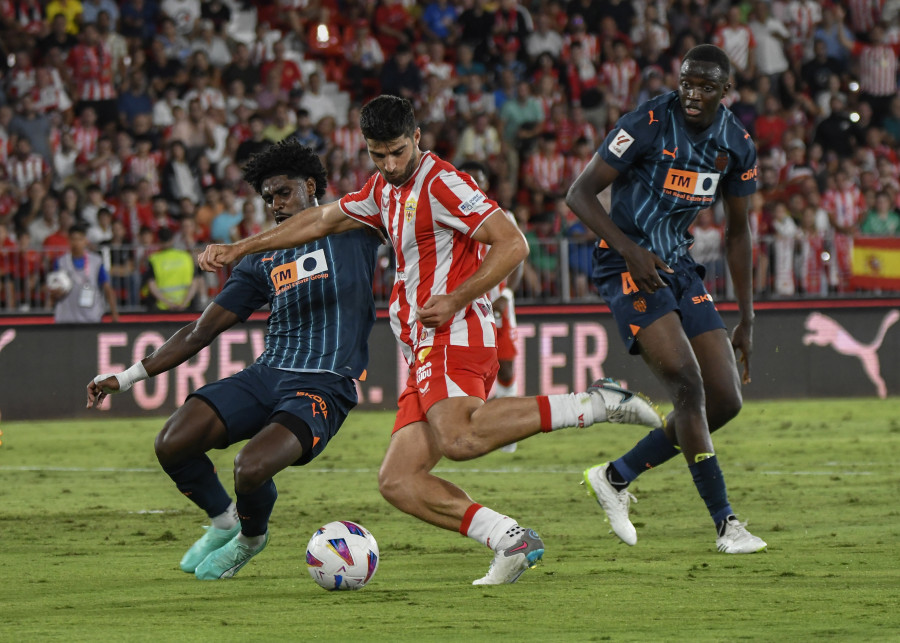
(91, 532)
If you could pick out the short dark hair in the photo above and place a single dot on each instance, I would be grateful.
(710, 54)
(387, 118)
(78, 228)
(288, 157)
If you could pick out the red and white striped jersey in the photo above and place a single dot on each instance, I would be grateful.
(92, 70)
(802, 17)
(86, 140)
(737, 43)
(105, 174)
(149, 167)
(864, 14)
(50, 99)
(350, 139)
(430, 221)
(618, 78)
(877, 68)
(547, 172)
(575, 166)
(21, 81)
(590, 44)
(848, 205)
(23, 173)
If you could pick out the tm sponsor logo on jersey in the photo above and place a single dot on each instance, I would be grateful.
(312, 265)
(699, 187)
(620, 143)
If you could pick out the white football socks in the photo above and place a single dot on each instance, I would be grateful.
(227, 519)
(488, 527)
(576, 409)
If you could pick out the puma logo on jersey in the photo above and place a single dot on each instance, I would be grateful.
(268, 258)
(668, 153)
(652, 120)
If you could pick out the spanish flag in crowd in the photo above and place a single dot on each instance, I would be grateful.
(876, 263)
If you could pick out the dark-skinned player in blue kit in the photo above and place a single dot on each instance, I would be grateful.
(672, 156)
(294, 398)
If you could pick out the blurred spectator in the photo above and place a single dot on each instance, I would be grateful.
(119, 255)
(878, 67)
(7, 275)
(70, 9)
(736, 38)
(882, 220)
(179, 177)
(522, 117)
(811, 251)
(400, 76)
(844, 203)
(83, 303)
(94, 201)
(771, 36)
(708, 248)
(27, 272)
(439, 20)
(102, 232)
(31, 125)
(786, 233)
(173, 278)
(393, 26)
(479, 141)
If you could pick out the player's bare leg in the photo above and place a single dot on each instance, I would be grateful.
(406, 481)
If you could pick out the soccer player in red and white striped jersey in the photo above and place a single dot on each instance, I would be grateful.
(436, 218)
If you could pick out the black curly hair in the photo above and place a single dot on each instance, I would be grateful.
(288, 157)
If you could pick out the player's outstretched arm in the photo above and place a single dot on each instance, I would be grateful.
(184, 344)
(582, 199)
(303, 227)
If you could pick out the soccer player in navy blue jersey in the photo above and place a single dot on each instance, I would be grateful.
(672, 156)
(294, 398)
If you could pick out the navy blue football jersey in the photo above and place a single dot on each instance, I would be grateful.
(668, 173)
(320, 302)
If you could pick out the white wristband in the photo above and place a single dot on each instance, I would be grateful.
(127, 378)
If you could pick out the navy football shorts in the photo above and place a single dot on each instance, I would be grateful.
(246, 401)
(634, 309)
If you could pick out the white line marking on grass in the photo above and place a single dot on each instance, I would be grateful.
(501, 470)
(816, 473)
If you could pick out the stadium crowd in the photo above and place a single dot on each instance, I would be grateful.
(133, 118)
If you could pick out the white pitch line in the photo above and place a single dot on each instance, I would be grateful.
(501, 470)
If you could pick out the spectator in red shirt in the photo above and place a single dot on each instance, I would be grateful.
(393, 26)
(288, 72)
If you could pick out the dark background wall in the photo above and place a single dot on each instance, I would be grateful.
(847, 348)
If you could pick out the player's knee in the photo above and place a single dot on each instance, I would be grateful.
(249, 473)
(723, 406)
(392, 485)
(166, 447)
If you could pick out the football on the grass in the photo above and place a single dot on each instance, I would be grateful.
(342, 555)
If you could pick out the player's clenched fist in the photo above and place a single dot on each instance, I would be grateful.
(216, 256)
